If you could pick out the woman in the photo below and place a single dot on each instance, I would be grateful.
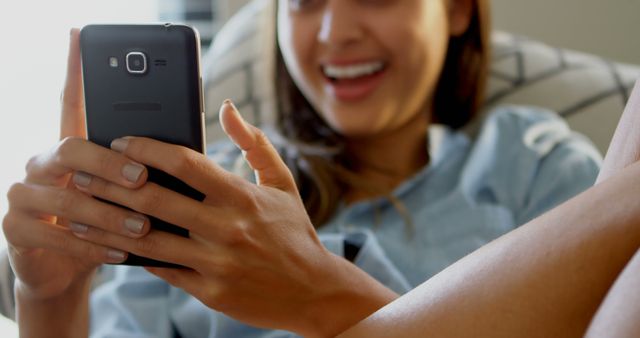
(367, 78)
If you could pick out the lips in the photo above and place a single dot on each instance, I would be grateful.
(353, 81)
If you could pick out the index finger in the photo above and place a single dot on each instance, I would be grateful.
(76, 154)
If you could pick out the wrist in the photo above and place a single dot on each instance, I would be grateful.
(55, 292)
(350, 296)
(65, 314)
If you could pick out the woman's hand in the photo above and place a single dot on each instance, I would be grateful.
(253, 252)
(46, 258)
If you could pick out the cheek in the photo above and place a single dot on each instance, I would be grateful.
(296, 40)
(420, 55)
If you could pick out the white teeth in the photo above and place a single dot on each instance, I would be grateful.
(352, 71)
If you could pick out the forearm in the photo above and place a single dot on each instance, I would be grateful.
(546, 278)
(64, 316)
(619, 314)
(346, 303)
(625, 144)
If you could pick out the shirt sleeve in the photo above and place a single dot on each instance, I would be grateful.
(130, 303)
(528, 160)
(567, 170)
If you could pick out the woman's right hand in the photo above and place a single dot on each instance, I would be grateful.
(46, 257)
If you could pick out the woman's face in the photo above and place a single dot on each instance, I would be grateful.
(367, 66)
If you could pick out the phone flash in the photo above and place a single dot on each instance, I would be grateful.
(113, 62)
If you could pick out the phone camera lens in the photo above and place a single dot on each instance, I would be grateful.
(136, 63)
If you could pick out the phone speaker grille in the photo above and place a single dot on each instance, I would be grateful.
(137, 106)
(160, 62)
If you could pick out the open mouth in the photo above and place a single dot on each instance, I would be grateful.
(347, 73)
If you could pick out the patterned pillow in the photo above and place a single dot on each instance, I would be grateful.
(589, 91)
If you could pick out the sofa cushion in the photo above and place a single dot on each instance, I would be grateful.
(590, 92)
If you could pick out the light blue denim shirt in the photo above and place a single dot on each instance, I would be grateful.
(522, 162)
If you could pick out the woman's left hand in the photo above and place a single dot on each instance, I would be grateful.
(253, 252)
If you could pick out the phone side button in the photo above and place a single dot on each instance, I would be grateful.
(201, 95)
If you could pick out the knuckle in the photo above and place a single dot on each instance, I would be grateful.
(107, 163)
(261, 138)
(221, 297)
(65, 148)
(214, 298)
(252, 201)
(146, 246)
(15, 192)
(9, 226)
(109, 220)
(237, 235)
(150, 200)
(100, 187)
(65, 201)
(185, 163)
(32, 164)
(97, 253)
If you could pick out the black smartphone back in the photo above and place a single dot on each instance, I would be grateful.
(144, 80)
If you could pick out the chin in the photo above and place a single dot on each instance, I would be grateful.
(354, 124)
(355, 131)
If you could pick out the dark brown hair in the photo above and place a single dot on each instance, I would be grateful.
(316, 154)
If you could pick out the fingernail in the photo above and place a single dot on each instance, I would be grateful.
(235, 112)
(132, 172)
(120, 144)
(230, 104)
(82, 179)
(134, 224)
(116, 255)
(78, 228)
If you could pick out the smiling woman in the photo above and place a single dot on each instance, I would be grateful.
(304, 247)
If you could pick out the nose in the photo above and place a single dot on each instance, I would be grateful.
(340, 25)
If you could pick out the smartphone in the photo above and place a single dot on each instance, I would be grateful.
(144, 80)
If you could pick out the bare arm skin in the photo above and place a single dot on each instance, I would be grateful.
(66, 315)
(545, 279)
(625, 144)
(619, 314)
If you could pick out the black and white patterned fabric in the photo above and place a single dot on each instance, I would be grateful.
(589, 91)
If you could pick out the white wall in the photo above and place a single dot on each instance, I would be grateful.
(610, 28)
(228, 7)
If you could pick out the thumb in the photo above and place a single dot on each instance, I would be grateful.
(259, 152)
(72, 120)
